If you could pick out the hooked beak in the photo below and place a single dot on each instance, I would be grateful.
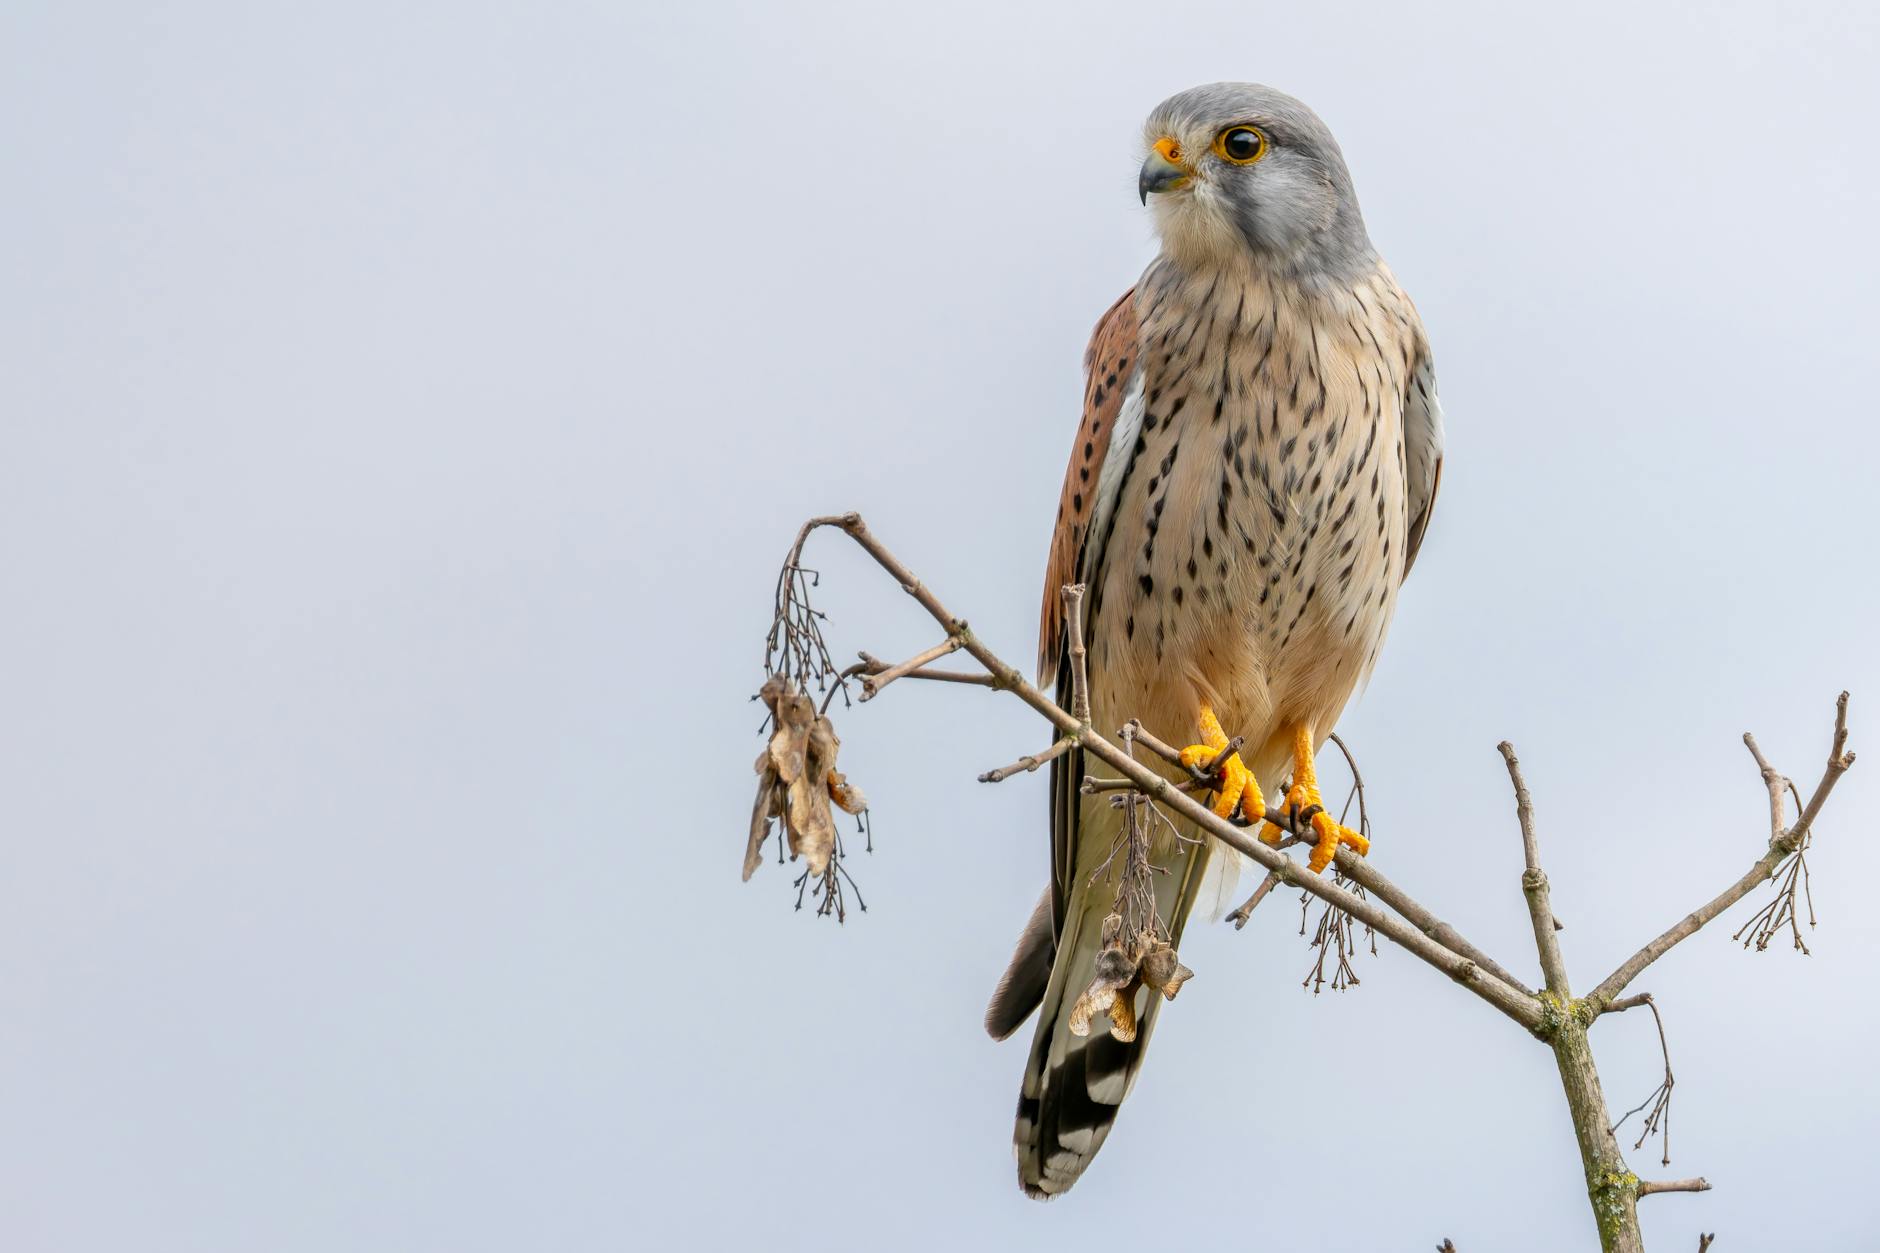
(1164, 170)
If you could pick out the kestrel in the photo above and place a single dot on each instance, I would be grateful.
(1254, 470)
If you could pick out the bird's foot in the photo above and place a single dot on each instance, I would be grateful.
(1235, 787)
(1309, 810)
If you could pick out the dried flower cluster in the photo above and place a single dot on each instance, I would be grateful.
(797, 781)
(1127, 962)
(1135, 951)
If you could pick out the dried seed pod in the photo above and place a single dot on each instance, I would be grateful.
(1162, 970)
(762, 812)
(1123, 1013)
(1114, 967)
(846, 794)
(797, 779)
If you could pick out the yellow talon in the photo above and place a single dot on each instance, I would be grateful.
(1303, 798)
(1238, 788)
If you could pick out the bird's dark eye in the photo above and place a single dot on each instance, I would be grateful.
(1243, 145)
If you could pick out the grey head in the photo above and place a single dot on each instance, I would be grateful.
(1241, 172)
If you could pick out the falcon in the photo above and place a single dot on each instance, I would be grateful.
(1252, 475)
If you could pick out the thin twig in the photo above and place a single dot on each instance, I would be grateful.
(875, 680)
(1773, 780)
(1080, 670)
(1028, 763)
(1651, 1187)
(1781, 847)
(1660, 1100)
(1534, 883)
(1213, 768)
(875, 665)
(1171, 754)
(1239, 916)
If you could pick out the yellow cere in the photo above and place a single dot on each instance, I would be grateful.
(1170, 150)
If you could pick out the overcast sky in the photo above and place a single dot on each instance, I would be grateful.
(403, 411)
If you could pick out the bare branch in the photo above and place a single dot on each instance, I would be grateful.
(1781, 847)
(1660, 1100)
(1147, 789)
(1228, 749)
(1774, 781)
(1839, 760)
(1367, 876)
(1466, 971)
(1093, 785)
(1534, 883)
(1239, 916)
(1080, 669)
(875, 680)
(1197, 775)
(1651, 1187)
(1029, 763)
(1332, 939)
(872, 664)
(1361, 872)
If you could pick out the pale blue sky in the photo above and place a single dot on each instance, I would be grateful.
(403, 413)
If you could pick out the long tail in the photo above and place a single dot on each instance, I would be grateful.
(1075, 1085)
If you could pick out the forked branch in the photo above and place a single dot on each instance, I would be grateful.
(1783, 844)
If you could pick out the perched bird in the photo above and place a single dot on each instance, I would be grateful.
(1254, 470)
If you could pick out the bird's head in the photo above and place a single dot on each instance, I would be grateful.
(1237, 171)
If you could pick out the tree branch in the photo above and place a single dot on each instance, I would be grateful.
(1651, 1187)
(1080, 670)
(1534, 884)
(874, 680)
(1465, 971)
(1029, 763)
(796, 650)
(872, 664)
(1781, 845)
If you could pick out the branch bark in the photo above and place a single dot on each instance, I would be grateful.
(1611, 1187)
(1652, 1187)
(1534, 884)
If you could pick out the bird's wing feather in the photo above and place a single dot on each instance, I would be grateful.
(1112, 399)
(1024, 982)
(1423, 449)
(1110, 364)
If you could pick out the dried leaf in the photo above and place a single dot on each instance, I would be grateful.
(1114, 985)
(1123, 1013)
(762, 812)
(1162, 969)
(846, 794)
(797, 779)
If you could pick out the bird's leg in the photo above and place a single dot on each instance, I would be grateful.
(1304, 803)
(1237, 789)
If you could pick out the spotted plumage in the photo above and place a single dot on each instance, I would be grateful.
(1250, 482)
